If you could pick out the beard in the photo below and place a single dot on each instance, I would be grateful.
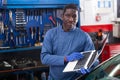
(68, 26)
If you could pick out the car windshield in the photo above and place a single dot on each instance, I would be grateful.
(109, 68)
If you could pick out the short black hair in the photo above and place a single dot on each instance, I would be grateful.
(71, 6)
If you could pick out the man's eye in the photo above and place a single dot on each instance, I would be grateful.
(67, 15)
(74, 16)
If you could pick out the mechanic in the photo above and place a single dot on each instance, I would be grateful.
(63, 44)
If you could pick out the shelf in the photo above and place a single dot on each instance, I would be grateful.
(20, 49)
(41, 67)
(117, 20)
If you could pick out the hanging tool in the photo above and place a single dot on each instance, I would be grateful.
(52, 20)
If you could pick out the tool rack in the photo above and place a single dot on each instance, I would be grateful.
(23, 24)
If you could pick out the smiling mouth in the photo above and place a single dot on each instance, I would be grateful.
(70, 23)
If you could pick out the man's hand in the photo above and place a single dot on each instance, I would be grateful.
(83, 71)
(74, 56)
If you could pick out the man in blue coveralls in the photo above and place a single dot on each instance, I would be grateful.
(63, 44)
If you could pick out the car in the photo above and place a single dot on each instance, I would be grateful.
(107, 70)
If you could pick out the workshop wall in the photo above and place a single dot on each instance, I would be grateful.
(97, 12)
(100, 14)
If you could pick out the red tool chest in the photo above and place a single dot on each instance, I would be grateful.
(109, 51)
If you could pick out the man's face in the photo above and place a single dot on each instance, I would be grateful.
(70, 18)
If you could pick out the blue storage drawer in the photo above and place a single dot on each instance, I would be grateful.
(38, 3)
(42, 1)
(9, 2)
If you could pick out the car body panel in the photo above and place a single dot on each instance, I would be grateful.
(104, 69)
